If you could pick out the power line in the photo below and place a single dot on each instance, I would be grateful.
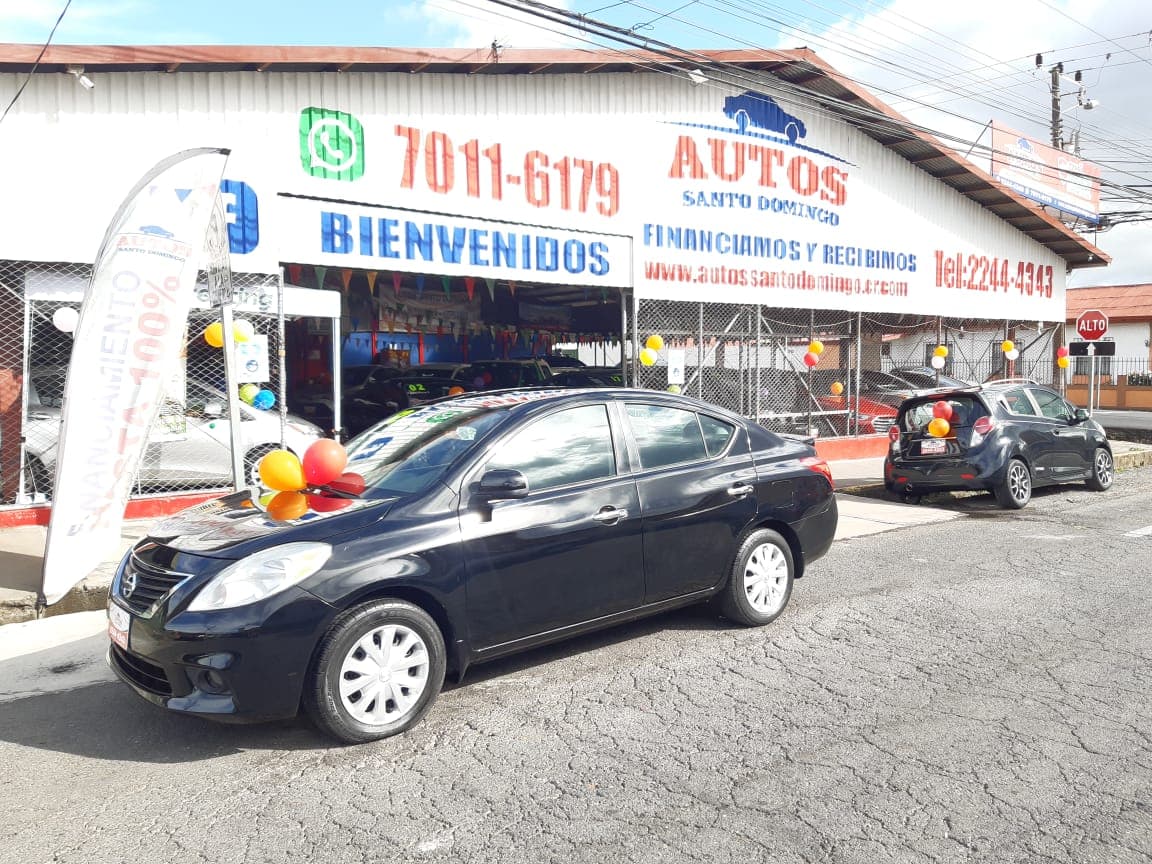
(39, 57)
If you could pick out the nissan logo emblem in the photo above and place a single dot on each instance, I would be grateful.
(128, 585)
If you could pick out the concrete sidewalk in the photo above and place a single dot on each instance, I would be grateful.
(864, 509)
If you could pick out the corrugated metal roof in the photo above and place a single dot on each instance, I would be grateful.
(800, 68)
(1118, 302)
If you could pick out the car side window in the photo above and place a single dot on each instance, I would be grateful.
(570, 446)
(717, 434)
(666, 436)
(1052, 405)
(1017, 402)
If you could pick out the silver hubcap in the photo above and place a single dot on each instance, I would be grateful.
(766, 578)
(1019, 483)
(1104, 468)
(384, 675)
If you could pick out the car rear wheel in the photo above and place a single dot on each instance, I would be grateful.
(376, 673)
(760, 581)
(1015, 490)
(1103, 471)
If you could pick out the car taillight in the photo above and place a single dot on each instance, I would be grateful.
(983, 425)
(815, 463)
(893, 432)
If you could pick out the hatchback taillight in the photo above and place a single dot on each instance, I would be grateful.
(815, 463)
(893, 432)
(983, 425)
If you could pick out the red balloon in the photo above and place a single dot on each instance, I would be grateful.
(324, 504)
(943, 410)
(811, 359)
(348, 482)
(1062, 351)
(323, 461)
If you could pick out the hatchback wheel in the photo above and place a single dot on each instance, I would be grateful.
(1015, 490)
(1103, 471)
(376, 673)
(760, 582)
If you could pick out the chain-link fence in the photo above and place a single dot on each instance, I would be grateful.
(189, 445)
(752, 360)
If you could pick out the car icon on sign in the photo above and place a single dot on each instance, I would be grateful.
(156, 231)
(760, 111)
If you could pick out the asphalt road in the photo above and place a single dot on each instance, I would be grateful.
(974, 690)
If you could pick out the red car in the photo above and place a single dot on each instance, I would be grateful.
(873, 418)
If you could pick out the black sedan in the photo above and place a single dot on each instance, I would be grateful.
(465, 530)
(1006, 437)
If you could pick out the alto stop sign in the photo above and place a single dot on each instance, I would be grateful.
(1092, 325)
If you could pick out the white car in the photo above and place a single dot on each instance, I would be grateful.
(188, 448)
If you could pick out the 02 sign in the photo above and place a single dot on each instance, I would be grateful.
(1092, 325)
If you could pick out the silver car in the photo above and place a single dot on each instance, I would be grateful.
(188, 447)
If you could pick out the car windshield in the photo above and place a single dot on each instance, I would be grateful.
(413, 449)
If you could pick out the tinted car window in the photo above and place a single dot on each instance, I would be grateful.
(1017, 402)
(570, 446)
(717, 434)
(965, 411)
(666, 436)
(1052, 405)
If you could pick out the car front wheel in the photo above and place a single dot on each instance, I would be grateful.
(1015, 490)
(376, 672)
(1103, 470)
(760, 581)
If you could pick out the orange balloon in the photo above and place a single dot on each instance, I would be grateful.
(455, 390)
(939, 427)
(837, 388)
(282, 471)
(288, 505)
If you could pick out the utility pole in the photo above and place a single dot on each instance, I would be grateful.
(1057, 132)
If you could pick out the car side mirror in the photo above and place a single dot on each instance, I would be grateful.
(501, 484)
(213, 409)
(1079, 415)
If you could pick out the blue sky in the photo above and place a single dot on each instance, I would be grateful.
(951, 67)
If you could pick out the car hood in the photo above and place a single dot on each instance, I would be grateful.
(238, 525)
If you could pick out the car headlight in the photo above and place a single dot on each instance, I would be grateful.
(261, 575)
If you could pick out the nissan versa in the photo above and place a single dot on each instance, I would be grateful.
(483, 525)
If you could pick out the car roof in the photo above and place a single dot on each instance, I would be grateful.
(528, 399)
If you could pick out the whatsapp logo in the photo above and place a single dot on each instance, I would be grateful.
(331, 144)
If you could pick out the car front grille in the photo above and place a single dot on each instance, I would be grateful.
(882, 424)
(143, 584)
(145, 675)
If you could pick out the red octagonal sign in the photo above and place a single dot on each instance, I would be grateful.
(1092, 325)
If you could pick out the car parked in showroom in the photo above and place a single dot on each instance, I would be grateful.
(188, 447)
(1007, 437)
(485, 524)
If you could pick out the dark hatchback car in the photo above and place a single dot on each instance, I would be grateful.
(1007, 437)
(489, 523)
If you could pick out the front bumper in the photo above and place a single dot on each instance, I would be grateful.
(244, 664)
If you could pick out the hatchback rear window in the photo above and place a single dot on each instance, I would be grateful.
(964, 411)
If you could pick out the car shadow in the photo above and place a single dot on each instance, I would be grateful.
(106, 720)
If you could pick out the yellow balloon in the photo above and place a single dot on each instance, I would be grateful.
(655, 342)
(647, 356)
(941, 351)
(1062, 362)
(837, 388)
(939, 427)
(816, 347)
(673, 388)
(282, 471)
(1007, 345)
(214, 334)
(242, 330)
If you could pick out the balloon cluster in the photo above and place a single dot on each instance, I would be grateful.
(257, 396)
(297, 484)
(815, 349)
(1010, 350)
(242, 331)
(939, 425)
(939, 357)
(651, 350)
(1062, 357)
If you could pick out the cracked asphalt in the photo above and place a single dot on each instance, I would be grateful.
(975, 690)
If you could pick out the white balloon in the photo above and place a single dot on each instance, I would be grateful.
(937, 362)
(1013, 354)
(66, 318)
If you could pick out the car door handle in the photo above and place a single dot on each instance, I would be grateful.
(740, 490)
(611, 515)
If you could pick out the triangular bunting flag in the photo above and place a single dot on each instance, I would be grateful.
(396, 277)
(420, 284)
(512, 288)
(346, 277)
(470, 286)
(294, 274)
(371, 282)
(446, 281)
(491, 283)
(321, 273)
